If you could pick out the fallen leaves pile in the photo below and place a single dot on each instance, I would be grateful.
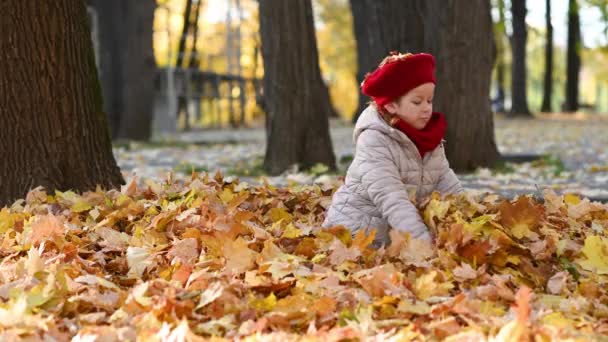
(210, 259)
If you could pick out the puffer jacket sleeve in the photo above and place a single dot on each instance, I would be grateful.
(448, 182)
(382, 181)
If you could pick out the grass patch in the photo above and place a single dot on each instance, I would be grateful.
(130, 145)
(552, 162)
(188, 168)
(346, 159)
(503, 167)
(322, 169)
(248, 168)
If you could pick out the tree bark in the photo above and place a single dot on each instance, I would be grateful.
(380, 27)
(519, 99)
(450, 30)
(128, 66)
(195, 61)
(181, 48)
(296, 100)
(56, 134)
(239, 66)
(109, 19)
(455, 29)
(548, 81)
(140, 70)
(182, 102)
(230, 55)
(500, 35)
(573, 58)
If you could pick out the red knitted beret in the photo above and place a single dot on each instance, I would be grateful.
(398, 74)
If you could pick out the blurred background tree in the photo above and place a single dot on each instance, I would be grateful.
(126, 64)
(335, 26)
(177, 65)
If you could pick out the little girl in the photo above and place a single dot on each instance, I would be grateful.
(399, 152)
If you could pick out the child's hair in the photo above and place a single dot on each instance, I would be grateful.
(389, 118)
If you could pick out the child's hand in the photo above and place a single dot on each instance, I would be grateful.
(426, 237)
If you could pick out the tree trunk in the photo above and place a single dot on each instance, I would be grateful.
(500, 36)
(140, 70)
(573, 58)
(182, 101)
(230, 54)
(195, 61)
(56, 134)
(181, 48)
(455, 29)
(297, 103)
(379, 28)
(449, 29)
(519, 99)
(548, 81)
(128, 68)
(109, 18)
(239, 66)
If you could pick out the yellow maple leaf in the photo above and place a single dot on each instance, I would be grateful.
(596, 254)
(426, 286)
(278, 214)
(80, 206)
(557, 319)
(269, 253)
(572, 199)
(474, 227)
(342, 233)
(253, 279)
(291, 232)
(299, 303)
(227, 195)
(435, 209)
(265, 304)
(6, 220)
(239, 258)
(417, 307)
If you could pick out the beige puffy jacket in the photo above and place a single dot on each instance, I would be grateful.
(387, 168)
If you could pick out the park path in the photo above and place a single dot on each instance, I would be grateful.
(577, 162)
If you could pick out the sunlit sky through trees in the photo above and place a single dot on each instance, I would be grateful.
(337, 46)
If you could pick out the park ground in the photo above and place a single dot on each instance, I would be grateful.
(572, 151)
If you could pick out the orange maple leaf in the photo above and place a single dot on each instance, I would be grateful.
(522, 217)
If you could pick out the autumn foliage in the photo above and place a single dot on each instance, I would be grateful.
(179, 261)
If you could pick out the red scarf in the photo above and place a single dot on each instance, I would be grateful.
(428, 138)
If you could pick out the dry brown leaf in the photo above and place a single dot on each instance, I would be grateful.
(239, 257)
(46, 227)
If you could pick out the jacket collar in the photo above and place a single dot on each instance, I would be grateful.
(371, 119)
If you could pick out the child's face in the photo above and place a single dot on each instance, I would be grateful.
(415, 107)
